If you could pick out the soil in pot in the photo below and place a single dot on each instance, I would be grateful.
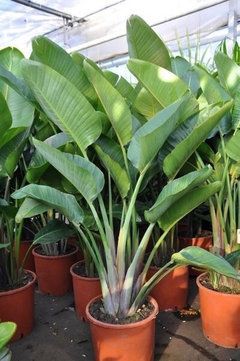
(29, 262)
(17, 305)
(220, 315)
(123, 342)
(171, 292)
(53, 272)
(84, 288)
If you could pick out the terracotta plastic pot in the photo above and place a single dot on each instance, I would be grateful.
(53, 272)
(133, 341)
(18, 306)
(29, 263)
(84, 289)
(220, 316)
(171, 292)
(204, 242)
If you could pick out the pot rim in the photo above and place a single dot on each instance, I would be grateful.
(36, 254)
(222, 294)
(96, 322)
(75, 275)
(19, 289)
(210, 237)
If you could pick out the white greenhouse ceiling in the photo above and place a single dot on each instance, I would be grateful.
(97, 28)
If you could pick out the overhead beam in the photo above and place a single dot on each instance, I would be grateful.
(45, 9)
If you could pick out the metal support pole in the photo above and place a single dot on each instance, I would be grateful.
(44, 9)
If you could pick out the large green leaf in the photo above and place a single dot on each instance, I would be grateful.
(122, 85)
(6, 209)
(63, 103)
(181, 153)
(29, 208)
(38, 164)
(164, 86)
(146, 104)
(53, 198)
(11, 151)
(187, 203)
(7, 330)
(71, 67)
(232, 146)
(148, 139)
(199, 257)
(212, 89)
(228, 72)
(145, 44)
(54, 231)
(174, 190)
(5, 117)
(84, 175)
(185, 71)
(113, 103)
(21, 110)
(111, 156)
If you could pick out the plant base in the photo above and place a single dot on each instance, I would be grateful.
(133, 342)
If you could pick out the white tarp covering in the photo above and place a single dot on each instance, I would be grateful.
(102, 34)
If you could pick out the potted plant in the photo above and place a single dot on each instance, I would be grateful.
(16, 284)
(219, 295)
(127, 154)
(221, 151)
(7, 330)
(54, 256)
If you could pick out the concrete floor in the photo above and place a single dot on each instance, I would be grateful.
(59, 336)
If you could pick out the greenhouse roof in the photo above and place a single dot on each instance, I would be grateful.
(98, 28)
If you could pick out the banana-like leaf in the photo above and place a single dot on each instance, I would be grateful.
(185, 71)
(228, 72)
(232, 147)
(63, 103)
(7, 330)
(113, 103)
(148, 139)
(53, 198)
(84, 175)
(164, 86)
(234, 259)
(181, 153)
(214, 93)
(199, 257)
(174, 190)
(145, 44)
(211, 87)
(86, 87)
(187, 203)
(111, 156)
(236, 110)
(6, 209)
(5, 117)
(54, 231)
(29, 208)
(17, 84)
(21, 110)
(146, 104)
(122, 85)
(71, 67)
(11, 151)
(38, 164)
